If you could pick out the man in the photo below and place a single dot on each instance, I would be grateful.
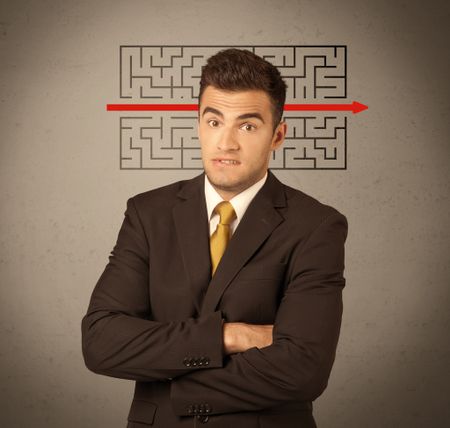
(222, 297)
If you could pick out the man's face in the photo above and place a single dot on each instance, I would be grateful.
(236, 137)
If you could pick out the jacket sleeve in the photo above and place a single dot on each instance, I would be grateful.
(297, 365)
(119, 337)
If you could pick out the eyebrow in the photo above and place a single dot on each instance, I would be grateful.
(242, 116)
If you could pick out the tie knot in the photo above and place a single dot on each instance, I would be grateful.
(226, 212)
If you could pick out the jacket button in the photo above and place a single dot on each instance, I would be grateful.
(186, 362)
(190, 410)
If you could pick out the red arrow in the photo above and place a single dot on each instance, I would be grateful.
(354, 107)
(151, 107)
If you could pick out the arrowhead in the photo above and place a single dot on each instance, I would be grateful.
(358, 107)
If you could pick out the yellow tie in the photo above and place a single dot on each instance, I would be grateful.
(219, 239)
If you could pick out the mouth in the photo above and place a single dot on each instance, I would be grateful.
(226, 161)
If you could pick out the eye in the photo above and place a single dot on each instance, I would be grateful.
(213, 123)
(248, 127)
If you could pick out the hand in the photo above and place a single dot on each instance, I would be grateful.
(239, 336)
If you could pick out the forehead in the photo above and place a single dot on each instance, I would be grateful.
(236, 102)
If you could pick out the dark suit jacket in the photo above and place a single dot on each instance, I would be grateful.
(155, 315)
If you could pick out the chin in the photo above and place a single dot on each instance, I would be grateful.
(223, 183)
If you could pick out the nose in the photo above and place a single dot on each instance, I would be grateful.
(227, 140)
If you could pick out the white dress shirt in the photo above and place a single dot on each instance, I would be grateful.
(240, 203)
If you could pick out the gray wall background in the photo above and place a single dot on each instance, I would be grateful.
(63, 195)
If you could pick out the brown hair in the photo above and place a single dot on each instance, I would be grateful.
(238, 70)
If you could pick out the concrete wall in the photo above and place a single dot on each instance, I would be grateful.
(63, 195)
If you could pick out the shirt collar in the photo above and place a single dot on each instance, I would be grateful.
(240, 202)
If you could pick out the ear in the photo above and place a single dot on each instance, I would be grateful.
(279, 135)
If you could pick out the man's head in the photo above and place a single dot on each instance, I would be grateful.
(241, 70)
(240, 108)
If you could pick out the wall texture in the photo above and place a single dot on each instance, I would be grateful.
(63, 195)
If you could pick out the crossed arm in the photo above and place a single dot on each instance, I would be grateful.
(264, 365)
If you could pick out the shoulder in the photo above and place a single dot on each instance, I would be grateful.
(166, 196)
(304, 210)
(297, 199)
(306, 216)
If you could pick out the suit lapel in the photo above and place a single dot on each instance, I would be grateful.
(260, 219)
(191, 224)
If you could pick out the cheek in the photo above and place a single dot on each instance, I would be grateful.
(258, 149)
(206, 136)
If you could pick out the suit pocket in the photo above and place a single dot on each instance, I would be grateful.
(141, 412)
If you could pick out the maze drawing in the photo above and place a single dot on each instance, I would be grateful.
(158, 142)
(171, 75)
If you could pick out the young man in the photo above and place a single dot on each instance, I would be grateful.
(222, 297)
